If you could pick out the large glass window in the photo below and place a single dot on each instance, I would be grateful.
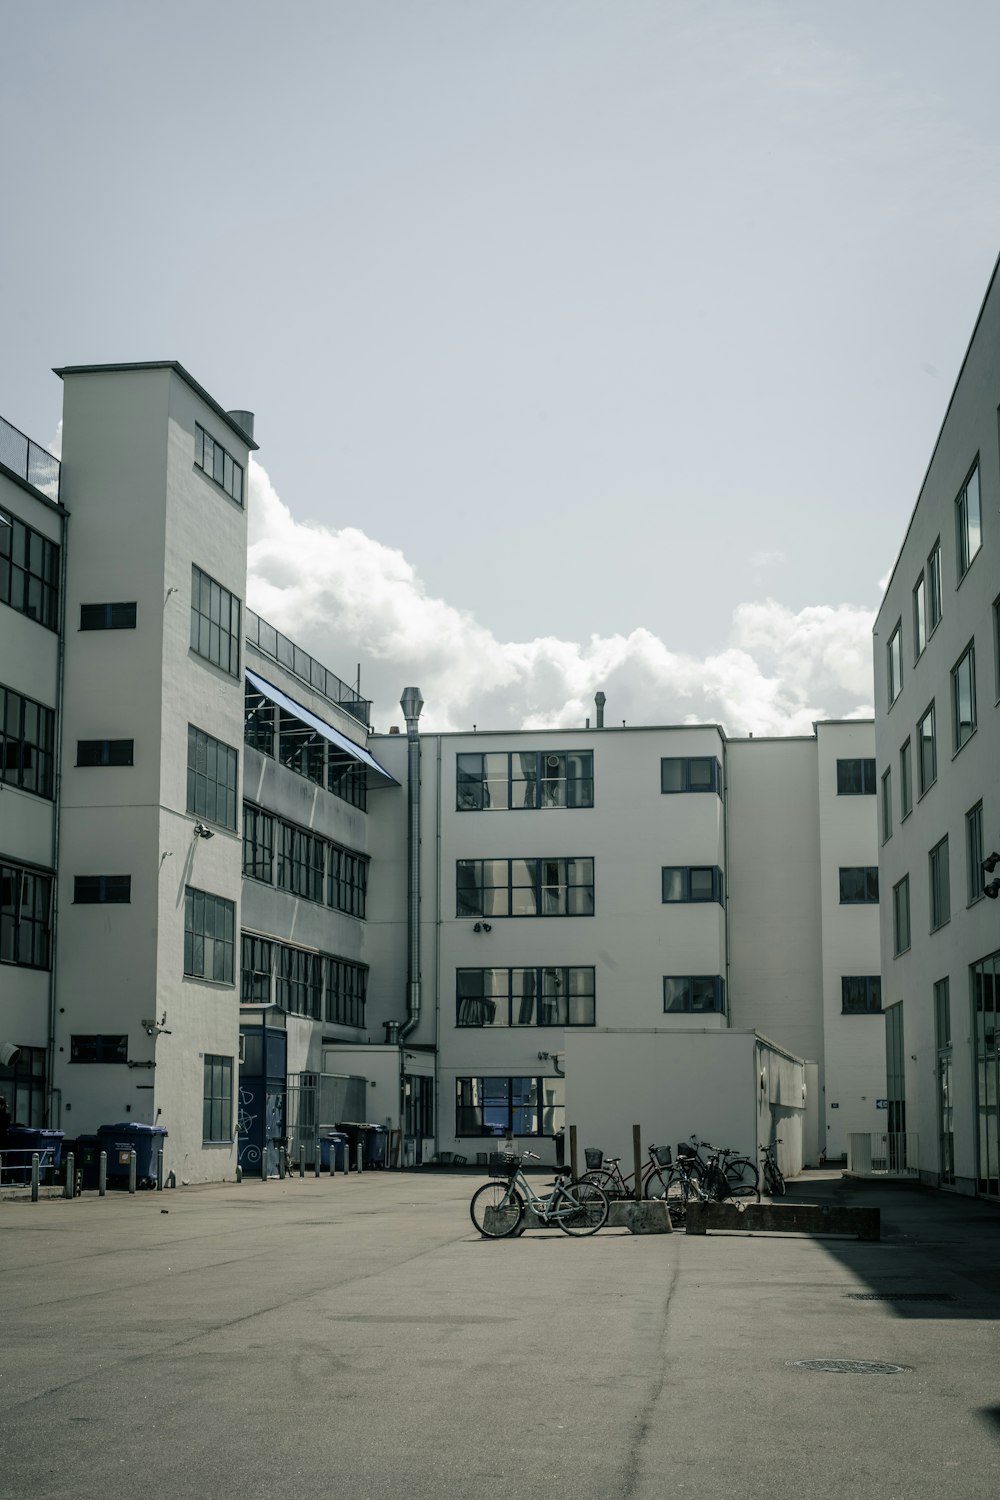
(693, 994)
(98, 1049)
(301, 865)
(858, 885)
(212, 774)
(927, 750)
(209, 936)
(501, 780)
(856, 778)
(256, 969)
(696, 773)
(215, 622)
(905, 780)
(974, 853)
(986, 1006)
(27, 737)
(934, 588)
(29, 571)
(525, 888)
(258, 844)
(347, 880)
(969, 523)
(219, 465)
(22, 1083)
(919, 616)
(418, 1090)
(887, 805)
(25, 916)
(346, 991)
(860, 994)
(963, 697)
(525, 997)
(940, 884)
(107, 616)
(300, 982)
(942, 1029)
(895, 663)
(691, 883)
(217, 1117)
(901, 915)
(510, 1106)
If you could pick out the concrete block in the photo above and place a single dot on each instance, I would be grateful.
(785, 1218)
(641, 1218)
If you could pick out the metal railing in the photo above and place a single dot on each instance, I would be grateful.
(270, 642)
(883, 1153)
(16, 1165)
(28, 461)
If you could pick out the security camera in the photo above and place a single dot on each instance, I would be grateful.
(990, 862)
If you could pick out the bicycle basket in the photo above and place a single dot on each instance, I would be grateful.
(594, 1158)
(685, 1149)
(664, 1156)
(503, 1165)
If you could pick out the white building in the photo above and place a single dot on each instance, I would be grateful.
(225, 910)
(937, 668)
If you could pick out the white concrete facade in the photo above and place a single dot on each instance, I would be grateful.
(941, 1094)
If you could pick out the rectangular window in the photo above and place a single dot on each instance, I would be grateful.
(347, 880)
(974, 853)
(105, 752)
(887, 806)
(256, 969)
(901, 915)
(905, 780)
(217, 1119)
(533, 779)
(107, 616)
(346, 987)
(927, 750)
(860, 994)
(209, 936)
(102, 890)
(525, 997)
(996, 647)
(942, 1015)
(940, 884)
(27, 740)
(301, 864)
(98, 1049)
(969, 522)
(215, 622)
(29, 571)
(919, 616)
(525, 888)
(934, 588)
(25, 917)
(856, 778)
(218, 464)
(300, 982)
(258, 721)
(510, 1106)
(963, 697)
(693, 994)
(213, 770)
(691, 883)
(699, 773)
(895, 663)
(418, 1090)
(858, 885)
(258, 844)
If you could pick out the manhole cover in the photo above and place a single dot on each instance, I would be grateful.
(900, 1297)
(848, 1366)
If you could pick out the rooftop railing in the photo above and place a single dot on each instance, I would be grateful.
(28, 461)
(270, 642)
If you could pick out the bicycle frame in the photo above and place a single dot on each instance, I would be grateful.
(546, 1210)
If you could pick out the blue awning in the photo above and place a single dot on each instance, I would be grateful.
(315, 722)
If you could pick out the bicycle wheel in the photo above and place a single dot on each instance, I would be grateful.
(606, 1181)
(657, 1184)
(742, 1176)
(587, 1213)
(774, 1183)
(496, 1209)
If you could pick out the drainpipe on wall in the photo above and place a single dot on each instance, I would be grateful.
(411, 703)
(51, 1120)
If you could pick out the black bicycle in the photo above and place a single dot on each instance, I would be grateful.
(774, 1182)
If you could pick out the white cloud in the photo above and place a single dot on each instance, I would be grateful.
(348, 598)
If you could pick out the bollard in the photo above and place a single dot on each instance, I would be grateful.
(102, 1174)
(70, 1176)
(159, 1170)
(302, 1159)
(131, 1171)
(281, 1164)
(34, 1178)
(239, 1172)
(637, 1159)
(318, 1159)
(263, 1162)
(574, 1161)
(361, 1157)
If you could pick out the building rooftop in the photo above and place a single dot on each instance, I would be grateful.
(164, 364)
(29, 461)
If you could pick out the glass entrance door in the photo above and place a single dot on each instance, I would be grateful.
(985, 990)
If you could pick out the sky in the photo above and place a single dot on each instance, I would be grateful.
(592, 343)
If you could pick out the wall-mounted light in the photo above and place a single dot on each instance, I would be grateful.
(201, 832)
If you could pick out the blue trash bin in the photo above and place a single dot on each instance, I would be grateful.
(22, 1143)
(333, 1146)
(120, 1140)
(87, 1150)
(376, 1141)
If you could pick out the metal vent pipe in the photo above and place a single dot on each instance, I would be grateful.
(411, 703)
(600, 700)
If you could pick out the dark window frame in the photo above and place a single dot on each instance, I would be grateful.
(690, 1007)
(894, 663)
(685, 763)
(531, 1003)
(974, 853)
(686, 872)
(939, 884)
(924, 781)
(218, 464)
(202, 944)
(966, 553)
(471, 898)
(217, 1100)
(90, 1048)
(102, 890)
(101, 753)
(216, 622)
(525, 789)
(27, 744)
(869, 1003)
(205, 789)
(960, 739)
(25, 916)
(901, 924)
(856, 776)
(508, 1103)
(868, 884)
(120, 616)
(29, 571)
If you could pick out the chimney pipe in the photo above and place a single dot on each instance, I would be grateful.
(600, 700)
(411, 703)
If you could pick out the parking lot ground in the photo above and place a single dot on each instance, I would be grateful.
(358, 1339)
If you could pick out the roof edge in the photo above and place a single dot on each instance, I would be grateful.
(162, 364)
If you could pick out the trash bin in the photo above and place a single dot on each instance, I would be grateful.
(120, 1140)
(354, 1134)
(87, 1153)
(376, 1143)
(22, 1143)
(333, 1151)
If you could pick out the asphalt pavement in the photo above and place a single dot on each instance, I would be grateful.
(358, 1339)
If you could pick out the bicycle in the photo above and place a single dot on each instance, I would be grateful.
(740, 1174)
(609, 1178)
(774, 1182)
(497, 1208)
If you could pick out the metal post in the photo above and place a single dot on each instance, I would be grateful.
(637, 1157)
(131, 1171)
(302, 1159)
(361, 1157)
(317, 1156)
(159, 1170)
(239, 1172)
(34, 1177)
(573, 1161)
(263, 1159)
(70, 1176)
(281, 1165)
(102, 1174)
